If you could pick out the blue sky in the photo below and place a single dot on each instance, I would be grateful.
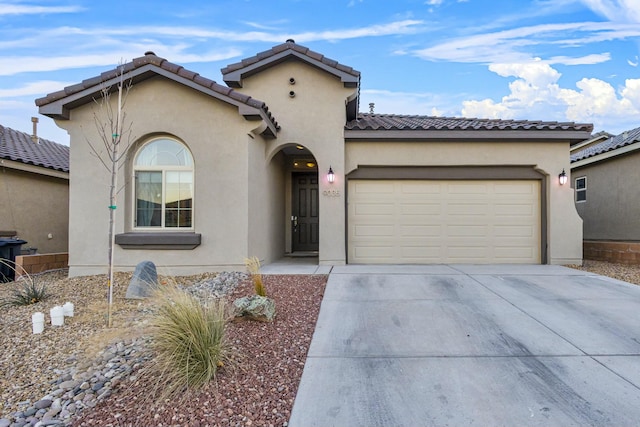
(556, 60)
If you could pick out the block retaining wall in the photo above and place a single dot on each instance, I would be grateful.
(617, 252)
(38, 263)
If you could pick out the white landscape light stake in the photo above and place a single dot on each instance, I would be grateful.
(38, 322)
(57, 316)
(67, 308)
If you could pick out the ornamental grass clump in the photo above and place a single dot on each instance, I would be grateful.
(188, 338)
(253, 265)
(29, 293)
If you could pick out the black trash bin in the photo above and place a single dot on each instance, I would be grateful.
(9, 248)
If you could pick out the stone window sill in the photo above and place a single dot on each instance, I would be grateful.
(159, 241)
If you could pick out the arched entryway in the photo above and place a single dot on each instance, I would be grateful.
(302, 231)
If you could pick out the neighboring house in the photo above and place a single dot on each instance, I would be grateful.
(606, 177)
(219, 173)
(34, 190)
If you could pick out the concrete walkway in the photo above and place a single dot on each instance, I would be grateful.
(472, 345)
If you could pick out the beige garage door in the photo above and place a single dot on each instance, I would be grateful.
(430, 222)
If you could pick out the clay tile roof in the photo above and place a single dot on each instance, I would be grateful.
(151, 59)
(612, 143)
(19, 147)
(366, 121)
(271, 56)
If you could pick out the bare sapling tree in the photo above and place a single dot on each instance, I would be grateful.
(116, 139)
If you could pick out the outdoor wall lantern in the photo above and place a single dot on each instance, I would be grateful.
(331, 176)
(563, 178)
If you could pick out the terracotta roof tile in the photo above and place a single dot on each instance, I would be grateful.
(382, 122)
(19, 147)
(151, 58)
(286, 46)
(613, 143)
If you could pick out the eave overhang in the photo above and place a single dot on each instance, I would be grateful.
(465, 135)
(234, 78)
(89, 90)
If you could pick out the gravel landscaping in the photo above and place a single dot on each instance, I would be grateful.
(84, 374)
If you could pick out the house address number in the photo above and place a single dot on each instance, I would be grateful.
(331, 193)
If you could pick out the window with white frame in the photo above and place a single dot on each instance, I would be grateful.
(163, 175)
(581, 189)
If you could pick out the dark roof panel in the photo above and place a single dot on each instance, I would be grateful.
(19, 147)
(382, 122)
(233, 73)
(613, 143)
(145, 61)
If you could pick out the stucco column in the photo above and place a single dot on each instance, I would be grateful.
(332, 213)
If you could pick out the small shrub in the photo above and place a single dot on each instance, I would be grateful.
(189, 342)
(253, 265)
(29, 293)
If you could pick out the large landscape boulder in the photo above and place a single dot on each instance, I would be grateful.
(143, 282)
(255, 307)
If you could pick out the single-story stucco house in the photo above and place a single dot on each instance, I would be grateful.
(606, 179)
(34, 190)
(279, 161)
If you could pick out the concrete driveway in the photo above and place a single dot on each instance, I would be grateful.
(472, 345)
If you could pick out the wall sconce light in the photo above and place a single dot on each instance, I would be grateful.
(563, 178)
(331, 176)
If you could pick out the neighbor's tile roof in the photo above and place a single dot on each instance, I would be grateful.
(381, 122)
(150, 58)
(613, 143)
(289, 45)
(19, 147)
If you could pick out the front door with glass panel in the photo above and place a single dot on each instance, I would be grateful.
(305, 218)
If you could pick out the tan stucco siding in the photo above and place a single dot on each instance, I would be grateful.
(37, 208)
(612, 208)
(266, 216)
(217, 137)
(315, 118)
(564, 226)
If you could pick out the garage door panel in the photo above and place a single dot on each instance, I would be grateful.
(517, 209)
(374, 252)
(444, 222)
(377, 187)
(514, 231)
(374, 209)
(467, 231)
(431, 208)
(374, 230)
(420, 231)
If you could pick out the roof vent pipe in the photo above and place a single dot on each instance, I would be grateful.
(34, 136)
(372, 106)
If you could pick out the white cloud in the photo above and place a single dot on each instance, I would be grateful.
(42, 64)
(14, 9)
(390, 102)
(520, 44)
(41, 87)
(535, 94)
(616, 10)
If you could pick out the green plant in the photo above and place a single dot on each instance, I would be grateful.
(253, 265)
(189, 342)
(29, 293)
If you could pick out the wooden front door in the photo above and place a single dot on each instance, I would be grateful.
(305, 218)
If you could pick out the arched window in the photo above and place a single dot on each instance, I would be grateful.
(163, 171)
